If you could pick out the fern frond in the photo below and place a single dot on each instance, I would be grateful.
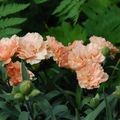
(93, 7)
(75, 11)
(62, 6)
(11, 8)
(40, 1)
(9, 31)
(8, 22)
(69, 9)
(106, 25)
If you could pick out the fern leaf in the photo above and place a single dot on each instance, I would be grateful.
(63, 5)
(8, 22)
(69, 9)
(11, 8)
(9, 31)
(93, 7)
(74, 13)
(109, 27)
(40, 1)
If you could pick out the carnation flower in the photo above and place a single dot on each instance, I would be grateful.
(58, 51)
(15, 74)
(91, 75)
(101, 43)
(32, 48)
(8, 47)
(80, 54)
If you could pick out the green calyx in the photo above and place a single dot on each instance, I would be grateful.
(34, 93)
(19, 96)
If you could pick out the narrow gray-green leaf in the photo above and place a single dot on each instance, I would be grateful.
(108, 109)
(3, 116)
(24, 116)
(78, 96)
(40, 1)
(97, 111)
(25, 75)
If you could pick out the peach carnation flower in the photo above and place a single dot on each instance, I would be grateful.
(58, 51)
(8, 47)
(81, 54)
(14, 72)
(32, 48)
(101, 43)
(75, 59)
(91, 76)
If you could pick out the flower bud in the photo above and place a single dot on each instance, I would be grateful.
(34, 92)
(95, 101)
(26, 87)
(105, 51)
(116, 93)
(19, 96)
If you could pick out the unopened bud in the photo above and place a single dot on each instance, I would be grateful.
(26, 87)
(95, 101)
(116, 93)
(105, 51)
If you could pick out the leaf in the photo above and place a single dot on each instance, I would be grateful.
(8, 22)
(40, 1)
(60, 108)
(52, 94)
(62, 6)
(75, 11)
(9, 31)
(46, 108)
(108, 109)
(25, 75)
(92, 115)
(3, 116)
(77, 116)
(11, 8)
(10, 110)
(91, 10)
(78, 96)
(67, 33)
(69, 9)
(3, 71)
(108, 28)
(24, 116)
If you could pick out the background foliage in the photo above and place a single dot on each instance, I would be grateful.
(67, 20)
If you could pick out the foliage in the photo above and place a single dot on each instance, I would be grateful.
(61, 98)
(7, 23)
(61, 33)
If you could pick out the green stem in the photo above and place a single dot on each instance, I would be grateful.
(113, 72)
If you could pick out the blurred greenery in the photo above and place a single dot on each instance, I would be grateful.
(67, 20)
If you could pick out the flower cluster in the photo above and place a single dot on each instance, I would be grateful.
(30, 48)
(85, 60)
